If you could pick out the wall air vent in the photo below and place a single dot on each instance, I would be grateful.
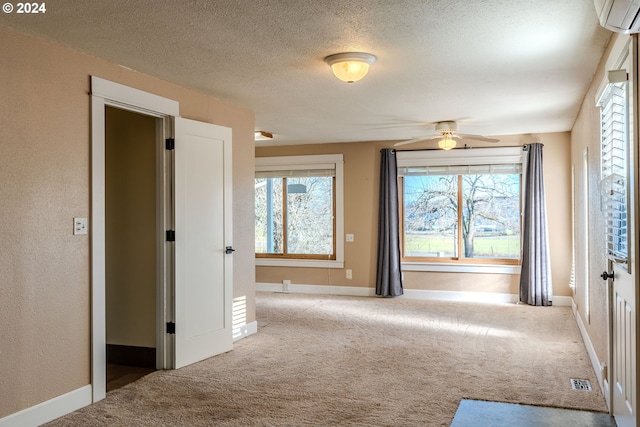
(620, 16)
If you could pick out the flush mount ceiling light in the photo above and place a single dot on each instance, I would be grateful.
(261, 135)
(350, 66)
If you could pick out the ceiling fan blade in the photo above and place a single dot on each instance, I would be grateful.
(414, 140)
(478, 138)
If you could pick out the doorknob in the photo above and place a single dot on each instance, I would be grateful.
(605, 275)
(229, 250)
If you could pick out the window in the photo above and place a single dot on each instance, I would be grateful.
(294, 215)
(298, 211)
(459, 208)
(613, 125)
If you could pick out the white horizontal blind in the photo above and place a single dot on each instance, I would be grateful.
(295, 173)
(614, 140)
(505, 168)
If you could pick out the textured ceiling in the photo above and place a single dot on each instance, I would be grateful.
(497, 66)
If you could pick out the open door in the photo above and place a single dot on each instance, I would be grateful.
(619, 186)
(623, 344)
(203, 284)
(195, 284)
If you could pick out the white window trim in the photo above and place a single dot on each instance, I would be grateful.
(305, 162)
(481, 156)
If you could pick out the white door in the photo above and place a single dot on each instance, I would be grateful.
(619, 187)
(202, 218)
(624, 346)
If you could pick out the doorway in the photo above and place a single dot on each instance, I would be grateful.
(130, 245)
(194, 239)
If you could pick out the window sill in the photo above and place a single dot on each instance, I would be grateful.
(461, 268)
(309, 263)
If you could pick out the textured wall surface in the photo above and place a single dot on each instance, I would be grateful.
(45, 290)
(589, 219)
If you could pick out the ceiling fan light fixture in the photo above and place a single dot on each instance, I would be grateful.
(447, 143)
(350, 66)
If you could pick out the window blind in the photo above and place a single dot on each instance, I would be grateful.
(614, 137)
(505, 168)
(294, 173)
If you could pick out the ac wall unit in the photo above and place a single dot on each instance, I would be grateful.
(621, 16)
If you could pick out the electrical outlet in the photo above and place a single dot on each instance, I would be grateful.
(285, 285)
(349, 238)
(79, 226)
(349, 274)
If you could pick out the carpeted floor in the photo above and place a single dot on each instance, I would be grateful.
(349, 361)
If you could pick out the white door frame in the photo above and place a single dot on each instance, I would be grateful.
(105, 93)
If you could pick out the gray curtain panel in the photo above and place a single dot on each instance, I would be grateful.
(389, 276)
(535, 279)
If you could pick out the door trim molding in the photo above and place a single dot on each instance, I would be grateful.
(106, 93)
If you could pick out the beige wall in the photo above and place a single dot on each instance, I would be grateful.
(360, 187)
(45, 175)
(130, 201)
(586, 135)
(361, 171)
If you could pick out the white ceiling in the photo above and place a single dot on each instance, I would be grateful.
(499, 67)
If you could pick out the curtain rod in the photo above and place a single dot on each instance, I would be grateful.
(524, 148)
(461, 148)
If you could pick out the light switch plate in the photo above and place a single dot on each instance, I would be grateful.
(79, 226)
(349, 237)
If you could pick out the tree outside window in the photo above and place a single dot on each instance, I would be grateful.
(295, 217)
(461, 216)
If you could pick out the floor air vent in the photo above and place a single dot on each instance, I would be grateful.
(580, 384)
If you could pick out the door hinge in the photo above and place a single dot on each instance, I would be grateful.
(170, 144)
(171, 236)
(171, 327)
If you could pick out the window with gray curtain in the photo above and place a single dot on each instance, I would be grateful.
(467, 211)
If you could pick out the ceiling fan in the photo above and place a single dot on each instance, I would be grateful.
(448, 136)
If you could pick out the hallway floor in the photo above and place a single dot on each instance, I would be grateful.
(477, 413)
(121, 375)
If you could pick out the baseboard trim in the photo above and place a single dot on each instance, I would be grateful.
(591, 351)
(489, 297)
(245, 330)
(562, 301)
(49, 410)
(317, 289)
